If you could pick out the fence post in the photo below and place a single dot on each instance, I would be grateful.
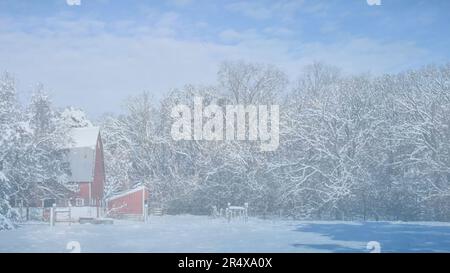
(246, 212)
(145, 212)
(70, 215)
(52, 215)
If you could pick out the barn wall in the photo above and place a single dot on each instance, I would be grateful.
(99, 172)
(84, 192)
(130, 204)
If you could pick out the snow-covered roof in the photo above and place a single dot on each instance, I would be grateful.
(84, 137)
(127, 192)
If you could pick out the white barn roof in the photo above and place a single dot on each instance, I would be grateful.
(84, 137)
(82, 153)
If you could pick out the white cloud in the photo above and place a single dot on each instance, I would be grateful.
(261, 10)
(87, 66)
(251, 9)
(361, 55)
(73, 2)
(278, 31)
(329, 26)
(234, 36)
(181, 3)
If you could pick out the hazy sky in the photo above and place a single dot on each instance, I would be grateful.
(96, 54)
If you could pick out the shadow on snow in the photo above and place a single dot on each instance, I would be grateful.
(393, 237)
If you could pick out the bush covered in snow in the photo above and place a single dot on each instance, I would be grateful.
(7, 214)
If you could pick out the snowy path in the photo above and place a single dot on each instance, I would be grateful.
(202, 234)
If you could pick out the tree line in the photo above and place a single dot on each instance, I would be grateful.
(351, 147)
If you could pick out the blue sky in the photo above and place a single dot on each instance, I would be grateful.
(96, 54)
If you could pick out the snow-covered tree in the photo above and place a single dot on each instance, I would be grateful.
(117, 156)
(75, 118)
(45, 160)
(9, 125)
(7, 214)
(250, 83)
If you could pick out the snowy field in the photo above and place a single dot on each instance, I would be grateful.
(201, 234)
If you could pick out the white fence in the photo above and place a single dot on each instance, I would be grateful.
(231, 212)
(75, 213)
(61, 214)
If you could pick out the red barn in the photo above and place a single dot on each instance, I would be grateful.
(86, 197)
(129, 204)
(87, 165)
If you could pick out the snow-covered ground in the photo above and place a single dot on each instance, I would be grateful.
(188, 233)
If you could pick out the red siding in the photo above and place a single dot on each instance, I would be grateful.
(84, 191)
(92, 191)
(99, 172)
(130, 204)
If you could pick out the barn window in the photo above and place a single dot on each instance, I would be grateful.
(79, 202)
(49, 202)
